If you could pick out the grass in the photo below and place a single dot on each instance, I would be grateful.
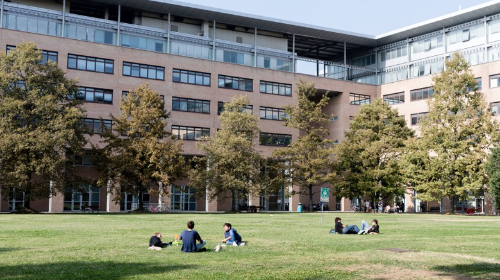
(279, 246)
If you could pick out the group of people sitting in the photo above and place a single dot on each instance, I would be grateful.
(353, 229)
(190, 236)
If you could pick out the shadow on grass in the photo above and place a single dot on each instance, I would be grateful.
(478, 270)
(3, 250)
(87, 270)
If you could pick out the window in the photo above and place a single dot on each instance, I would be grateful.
(275, 88)
(395, 98)
(421, 94)
(268, 113)
(479, 82)
(234, 57)
(191, 77)
(46, 55)
(97, 126)
(495, 108)
(143, 71)
(190, 105)
(189, 133)
(358, 99)
(416, 118)
(95, 95)
(271, 139)
(85, 158)
(183, 198)
(86, 195)
(246, 108)
(495, 81)
(235, 83)
(87, 63)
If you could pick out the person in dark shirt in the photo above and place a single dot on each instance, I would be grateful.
(374, 229)
(189, 238)
(345, 229)
(156, 243)
(231, 236)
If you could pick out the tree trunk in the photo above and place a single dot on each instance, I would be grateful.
(310, 187)
(141, 201)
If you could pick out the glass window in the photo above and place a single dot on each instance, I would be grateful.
(246, 108)
(235, 83)
(268, 113)
(275, 88)
(191, 77)
(358, 99)
(143, 71)
(420, 94)
(395, 98)
(95, 95)
(272, 139)
(189, 133)
(87, 63)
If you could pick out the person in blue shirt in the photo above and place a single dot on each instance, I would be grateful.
(189, 238)
(231, 236)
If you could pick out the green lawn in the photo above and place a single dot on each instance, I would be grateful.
(279, 246)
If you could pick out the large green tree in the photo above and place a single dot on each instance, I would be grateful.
(367, 161)
(139, 152)
(40, 125)
(449, 157)
(308, 158)
(231, 163)
(493, 170)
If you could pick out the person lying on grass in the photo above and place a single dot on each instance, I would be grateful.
(189, 238)
(156, 243)
(349, 229)
(231, 236)
(374, 229)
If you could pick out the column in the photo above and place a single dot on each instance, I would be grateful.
(213, 43)
(1, 23)
(345, 204)
(255, 48)
(168, 33)
(345, 61)
(294, 70)
(485, 54)
(409, 202)
(63, 18)
(119, 21)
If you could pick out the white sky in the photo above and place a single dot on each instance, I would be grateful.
(369, 17)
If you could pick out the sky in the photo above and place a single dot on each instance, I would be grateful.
(368, 17)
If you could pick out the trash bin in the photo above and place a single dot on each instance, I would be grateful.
(299, 207)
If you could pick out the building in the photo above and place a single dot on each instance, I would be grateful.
(198, 57)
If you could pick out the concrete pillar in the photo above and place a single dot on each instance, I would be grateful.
(57, 203)
(345, 204)
(489, 204)
(409, 201)
(205, 28)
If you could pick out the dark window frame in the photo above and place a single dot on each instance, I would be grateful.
(421, 94)
(417, 117)
(46, 54)
(89, 90)
(220, 108)
(96, 123)
(267, 139)
(140, 68)
(280, 112)
(359, 99)
(229, 82)
(106, 63)
(204, 131)
(269, 88)
(191, 75)
(394, 98)
(200, 102)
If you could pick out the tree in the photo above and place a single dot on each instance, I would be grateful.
(231, 163)
(40, 125)
(367, 161)
(449, 158)
(307, 158)
(139, 152)
(493, 171)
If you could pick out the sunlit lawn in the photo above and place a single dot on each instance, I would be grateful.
(279, 246)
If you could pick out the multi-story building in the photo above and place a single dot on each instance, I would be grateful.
(198, 57)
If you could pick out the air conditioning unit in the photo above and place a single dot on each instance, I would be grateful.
(239, 40)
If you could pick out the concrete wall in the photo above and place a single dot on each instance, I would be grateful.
(46, 4)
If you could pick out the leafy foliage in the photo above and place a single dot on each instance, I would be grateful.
(231, 163)
(493, 171)
(40, 125)
(367, 161)
(309, 157)
(449, 158)
(139, 152)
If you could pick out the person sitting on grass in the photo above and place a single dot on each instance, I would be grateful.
(189, 238)
(155, 242)
(374, 229)
(231, 236)
(345, 229)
